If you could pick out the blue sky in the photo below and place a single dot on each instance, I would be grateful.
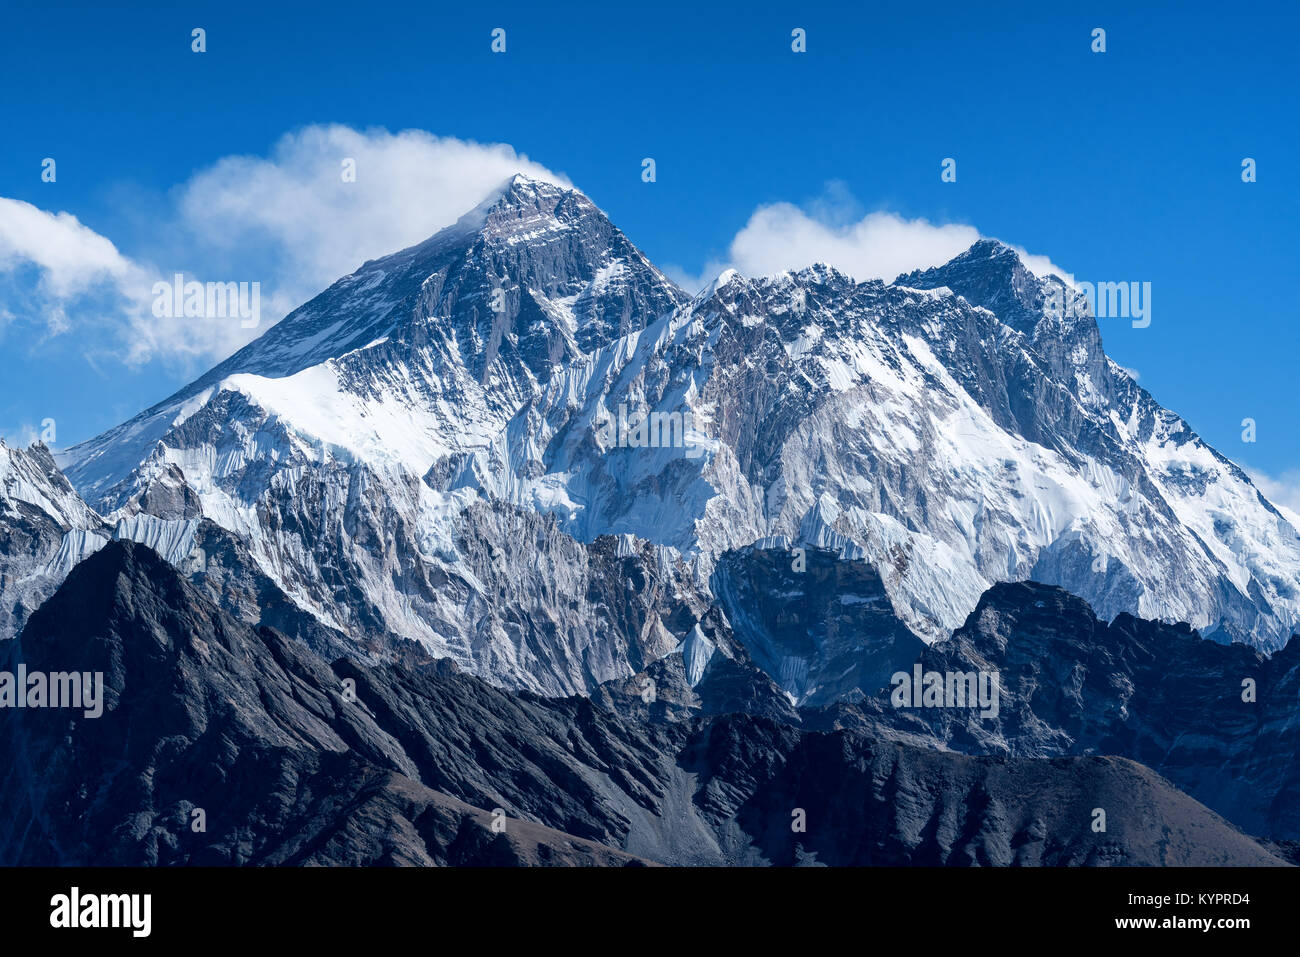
(1122, 166)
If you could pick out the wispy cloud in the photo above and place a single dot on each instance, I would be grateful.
(20, 436)
(296, 205)
(293, 222)
(71, 257)
(70, 270)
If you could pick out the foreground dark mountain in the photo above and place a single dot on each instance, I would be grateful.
(241, 723)
(293, 760)
(1221, 721)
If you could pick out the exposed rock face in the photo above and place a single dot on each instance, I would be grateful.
(890, 804)
(955, 428)
(949, 444)
(311, 446)
(824, 628)
(292, 760)
(45, 529)
(1220, 721)
(203, 712)
(349, 814)
(219, 566)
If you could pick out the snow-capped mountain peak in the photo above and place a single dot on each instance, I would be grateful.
(446, 436)
(449, 335)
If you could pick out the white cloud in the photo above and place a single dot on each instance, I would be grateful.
(287, 221)
(1042, 267)
(880, 245)
(71, 257)
(296, 204)
(84, 285)
(78, 272)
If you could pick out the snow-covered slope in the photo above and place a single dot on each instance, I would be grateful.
(434, 446)
(910, 424)
(310, 445)
(424, 351)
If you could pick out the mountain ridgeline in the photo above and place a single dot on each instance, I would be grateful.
(636, 572)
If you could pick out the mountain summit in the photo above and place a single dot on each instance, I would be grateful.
(460, 443)
(469, 321)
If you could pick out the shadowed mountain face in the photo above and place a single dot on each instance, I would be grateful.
(1220, 721)
(293, 760)
(460, 328)
(413, 357)
(823, 627)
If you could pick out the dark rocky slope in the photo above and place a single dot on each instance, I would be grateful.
(1157, 693)
(293, 760)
